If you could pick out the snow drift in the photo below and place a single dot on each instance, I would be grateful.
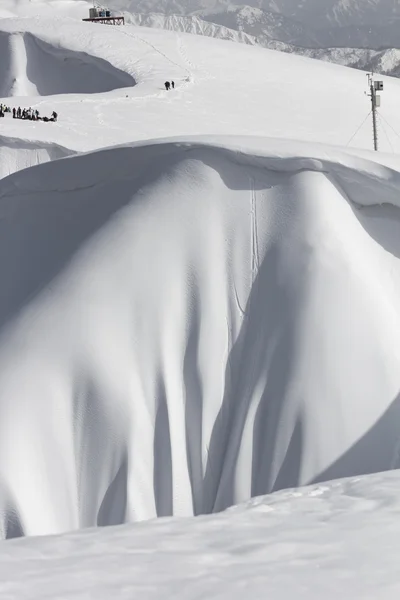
(308, 543)
(29, 67)
(189, 323)
(17, 154)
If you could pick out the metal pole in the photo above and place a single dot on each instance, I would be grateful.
(374, 121)
(373, 105)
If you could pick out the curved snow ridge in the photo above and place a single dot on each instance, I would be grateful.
(192, 328)
(31, 67)
(17, 154)
(116, 54)
(353, 172)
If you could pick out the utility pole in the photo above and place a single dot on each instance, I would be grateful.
(374, 86)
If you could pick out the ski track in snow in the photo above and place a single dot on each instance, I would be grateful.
(137, 37)
(254, 235)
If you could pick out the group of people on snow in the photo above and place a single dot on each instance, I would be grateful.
(33, 115)
(4, 109)
(29, 114)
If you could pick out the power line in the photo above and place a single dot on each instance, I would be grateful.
(354, 135)
(384, 131)
(387, 123)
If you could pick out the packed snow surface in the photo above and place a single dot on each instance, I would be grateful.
(338, 540)
(189, 320)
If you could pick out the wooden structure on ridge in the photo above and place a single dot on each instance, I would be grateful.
(103, 15)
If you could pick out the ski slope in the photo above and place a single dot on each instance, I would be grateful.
(328, 541)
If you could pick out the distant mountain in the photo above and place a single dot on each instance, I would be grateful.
(362, 33)
(312, 13)
(385, 61)
(191, 24)
(307, 23)
(364, 36)
(269, 25)
(312, 33)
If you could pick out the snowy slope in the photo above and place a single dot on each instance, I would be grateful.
(268, 32)
(325, 23)
(310, 23)
(330, 541)
(221, 88)
(190, 321)
(246, 25)
(385, 61)
(46, 8)
(314, 13)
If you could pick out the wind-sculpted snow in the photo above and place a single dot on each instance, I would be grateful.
(190, 323)
(16, 154)
(30, 66)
